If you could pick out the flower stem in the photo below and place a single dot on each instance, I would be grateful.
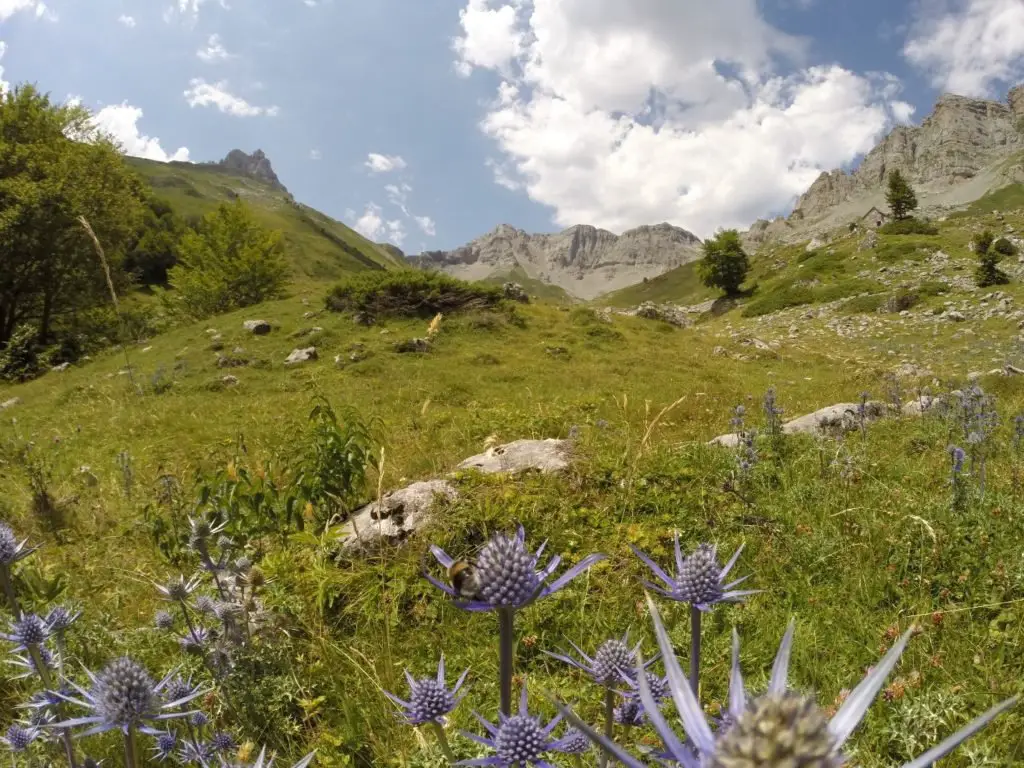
(609, 721)
(12, 598)
(44, 676)
(442, 741)
(577, 761)
(129, 749)
(695, 649)
(506, 631)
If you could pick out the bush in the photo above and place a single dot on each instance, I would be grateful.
(19, 360)
(1004, 247)
(988, 272)
(788, 296)
(859, 304)
(409, 293)
(910, 226)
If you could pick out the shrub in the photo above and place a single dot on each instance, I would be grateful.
(988, 272)
(788, 296)
(911, 226)
(1004, 247)
(409, 293)
(869, 303)
(19, 360)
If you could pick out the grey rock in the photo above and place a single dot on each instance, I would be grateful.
(301, 356)
(61, 367)
(256, 166)
(413, 345)
(515, 292)
(257, 327)
(229, 380)
(399, 514)
(911, 371)
(10, 403)
(838, 418)
(665, 312)
(955, 316)
(548, 455)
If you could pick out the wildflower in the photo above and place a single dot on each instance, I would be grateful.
(124, 696)
(199, 720)
(957, 455)
(517, 739)
(180, 688)
(613, 661)
(202, 530)
(629, 713)
(575, 742)
(226, 612)
(61, 617)
(243, 564)
(26, 631)
(658, 686)
(508, 574)
(737, 417)
(698, 578)
(195, 752)
(205, 604)
(222, 742)
(179, 591)
(11, 550)
(163, 620)
(263, 762)
(429, 699)
(195, 640)
(166, 743)
(779, 727)
(19, 737)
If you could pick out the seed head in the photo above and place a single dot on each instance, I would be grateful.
(613, 660)
(124, 693)
(163, 620)
(28, 630)
(256, 577)
(507, 572)
(520, 739)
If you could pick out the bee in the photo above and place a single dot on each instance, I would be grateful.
(464, 579)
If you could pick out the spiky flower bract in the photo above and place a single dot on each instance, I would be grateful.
(575, 742)
(508, 573)
(613, 662)
(61, 617)
(166, 744)
(779, 727)
(12, 550)
(262, 761)
(178, 590)
(163, 620)
(518, 738)
(30, 629)
(430, 700)
(19, 737)
(123, 696)
(699, 579)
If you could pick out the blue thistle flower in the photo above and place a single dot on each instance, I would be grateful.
(163, 620)
(263, 762)
(517, 739)
(429, 698)
(202, 529)
(123, 696)
(575, 742)
(198, 753)
(957, 457)
(19, 737)
(779, 727)
(195, 640)
(199, 720)
(61, 617)
(699, 579)
(181, 689)
(508, 574)
(26, 631)
(11, 550)
(222, 742)
(226, 612)
(614, 660)
(205, 604)
(28, 662)
(629, 713)
(243, 565)
(166, 743)
(178, 591)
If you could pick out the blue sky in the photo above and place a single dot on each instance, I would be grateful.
(535, 113)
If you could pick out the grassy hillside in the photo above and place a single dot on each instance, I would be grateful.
(680, 285)
(536, 288)
(318, 246)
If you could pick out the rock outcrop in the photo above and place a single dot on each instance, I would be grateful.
(256, 166)
(585, 261)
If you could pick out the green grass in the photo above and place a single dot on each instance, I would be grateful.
(681, 285)
(318, 246)
(538, 289)
(856, 539)
(1008, 198)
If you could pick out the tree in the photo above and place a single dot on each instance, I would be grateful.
(155, 247)
(988, 272)
(230, 261)
(900, 197)
(54, 167)
(725, 263)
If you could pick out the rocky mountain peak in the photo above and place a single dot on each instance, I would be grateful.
(256, 166)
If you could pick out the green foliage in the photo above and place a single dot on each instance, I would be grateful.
(330, 473)
(409, 293)
(988, 272)
(779, 299)
(19, 360)
(725, 263)
(902, 299)
(909, 226)
(1004, 247)
(900, 196)
(229, 262)
(871, 302)
(154, 251)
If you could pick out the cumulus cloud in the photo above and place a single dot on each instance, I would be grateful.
(426, 225)
(121, 121)
(704, 115)
(203, 94)
(214, 51)
(371, 224)
(969, 46)
(384, 163)
(10, 7)
(4, 85)
(189, 8)
(128, 21)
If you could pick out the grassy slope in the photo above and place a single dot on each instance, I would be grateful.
(536, 288)
(680, 285)
(853, 549)
(319, 247)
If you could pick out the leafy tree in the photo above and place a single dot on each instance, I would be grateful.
(230, 261)
(1004, 247)
(155, 248)
(988, 272)
(54, 167)
(900, 197)
(725, 263)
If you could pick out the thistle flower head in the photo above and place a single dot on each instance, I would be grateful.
(30, 629)
(779, 727)
(429, 698)
(224, 542)
(61, 617)
(699, 580)
(256, 577)
(226, 611)
(195, 640)
(197, 753)
(243, 564)
(165, 745)
(957, 456)
(613, 662)
(519, 738)
(180, 688)
(28, 661)
(658, 686)
(263, 762)
(508, 574)
(630, 712)
(205, 604)
(178, 590)
(575, 742)
(202, 530)
(163, 620)
(199, 720)
(19, 737)
(12, 550)
(124, 696)
(222, 742)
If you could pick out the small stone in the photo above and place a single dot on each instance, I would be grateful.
(301, 356)
(413, 345)
(257, 327)
(229, 380)
(61, 367)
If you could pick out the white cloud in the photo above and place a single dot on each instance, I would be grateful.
(969, 46)
(4, 85)
(372, 224)
(203, 94)
(398, 194)
(121, 121)
(315, 154)
(214, 50)
(492, 38)
(426, 224)
(10, 7)
(190, 8)
(128, 21)
(620, 114)
(384, 163)
(396, 232)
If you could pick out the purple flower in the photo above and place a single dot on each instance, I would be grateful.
(179, 589)
(779, 727)
(575, 742)
(698, 579)
(429, 698)
(165, 745)
(124, 696)
(19, 737)
(61, 617)
(11, 550)
(163, 620)
(629, 713)
(222, 742)
(508, 575)
(518, 739)
(613, 661)
(26, 631)
(263, 762)
(957, 456)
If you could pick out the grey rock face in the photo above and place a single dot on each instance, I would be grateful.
(583, 260)
(399, 514)
(549, 455)
(301, 356)
(257, 166)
